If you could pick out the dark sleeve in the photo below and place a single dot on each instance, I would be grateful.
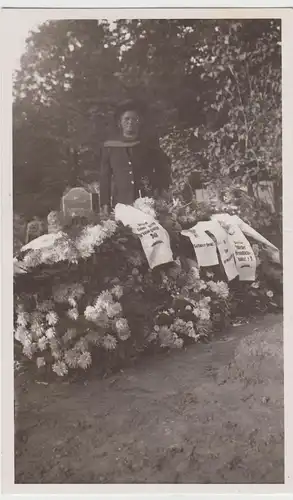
(105, 179)
(163, 170)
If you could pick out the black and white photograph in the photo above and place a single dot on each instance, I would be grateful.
(148, 251)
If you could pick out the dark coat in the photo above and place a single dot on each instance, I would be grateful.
(130, 170)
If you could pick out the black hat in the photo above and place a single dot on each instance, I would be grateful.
(130, 105)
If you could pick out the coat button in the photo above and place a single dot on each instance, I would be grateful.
(132, 182)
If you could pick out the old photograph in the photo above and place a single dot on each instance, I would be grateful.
(147, 251)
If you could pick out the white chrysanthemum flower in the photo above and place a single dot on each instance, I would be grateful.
(146, 205)
(85, 360)
(255, 284)
(42, 343)
(73, 314)
(50, 333)
(220, 288)
(168, 338)
(60, 368)
(28, 351)
(114, 310)
(90, 313)
(104, 298)
(20, 334)
(270, 294)
(52, 318)
(122, 325)
(23, 319)
(40, 362)
(204, 314)
(123, 330)
(72, 302)
(71, 358)
(56, 354)
(117, 291)
(109, 342)
(110, 226)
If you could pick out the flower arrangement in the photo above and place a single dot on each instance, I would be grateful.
(89, 293)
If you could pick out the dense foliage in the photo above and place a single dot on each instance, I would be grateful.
(213, 88)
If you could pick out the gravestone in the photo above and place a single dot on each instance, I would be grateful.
(78, 202)
(264, 191)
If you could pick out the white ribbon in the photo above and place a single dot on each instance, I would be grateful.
(154, 238)
(224, 247)
(204, 247)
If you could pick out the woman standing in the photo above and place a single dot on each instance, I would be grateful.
(132, 166)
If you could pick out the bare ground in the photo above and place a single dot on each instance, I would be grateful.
(210, 414)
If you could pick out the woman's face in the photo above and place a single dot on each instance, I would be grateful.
(130, 124)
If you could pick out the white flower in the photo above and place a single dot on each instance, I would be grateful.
(123, 330)
(72, 302)
(90, 313)
(220, 288)
(42, 343)
(204, 315)
(23, 319)
(60, 368)
(20, 334)
(255, 284)
(109, 342)
(50, 333)
(28, 351)
(146, 205)
(110, 226)
(85, 360)
(114, 309)
(122, 325)
(270, 294)
(71, 358)
(73, 314)
(210, 274)
(117, 291)
(40, 362)
(52, 318)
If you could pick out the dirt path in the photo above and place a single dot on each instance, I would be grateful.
(210, 414)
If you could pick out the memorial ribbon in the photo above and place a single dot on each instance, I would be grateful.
(154, 238)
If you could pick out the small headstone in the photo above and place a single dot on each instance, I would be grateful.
(35, 228)
(77, 203)
(264, 191)
(54, 220)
